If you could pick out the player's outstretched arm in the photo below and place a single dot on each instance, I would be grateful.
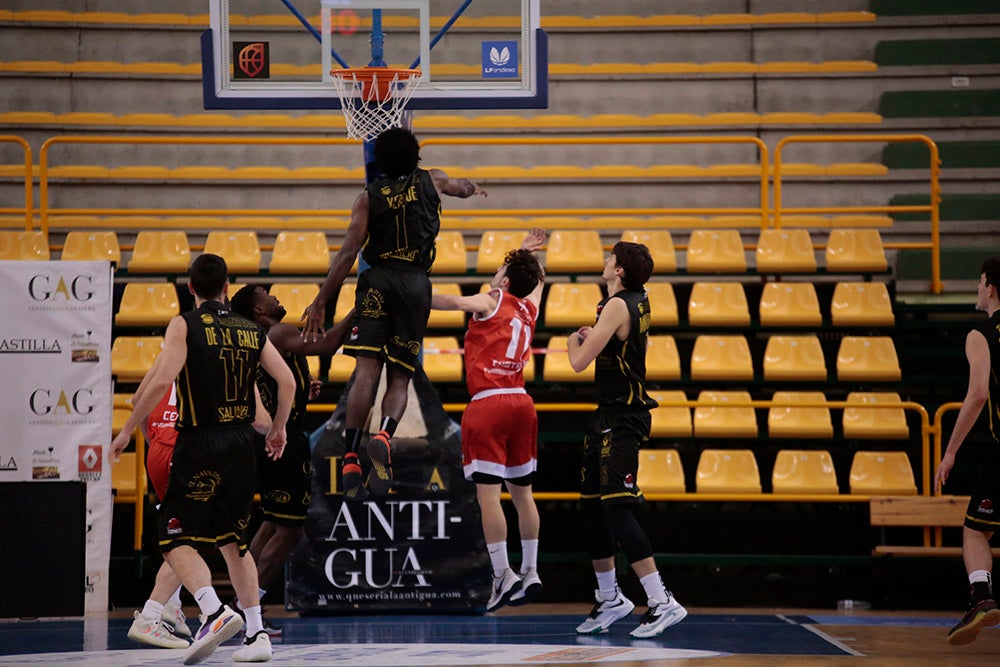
(462, 188)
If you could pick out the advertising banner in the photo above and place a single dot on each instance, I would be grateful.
(419, 548)
(55, 354)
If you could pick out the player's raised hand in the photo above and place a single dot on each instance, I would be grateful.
(534, 240)
(314, 315)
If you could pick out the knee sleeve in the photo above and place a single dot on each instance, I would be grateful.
(596, 531)
(628, 532)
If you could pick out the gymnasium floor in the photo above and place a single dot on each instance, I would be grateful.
(537, 634)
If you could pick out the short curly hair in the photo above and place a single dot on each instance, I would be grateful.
(523, 272)
(396, 152)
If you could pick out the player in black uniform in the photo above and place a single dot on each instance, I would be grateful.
(283, 484)
(213, 353)
(982, 347)
(394, 223)
(608, 490)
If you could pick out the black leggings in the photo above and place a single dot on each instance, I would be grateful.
(605, 525)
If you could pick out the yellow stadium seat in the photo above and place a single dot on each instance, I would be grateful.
(721, 358)
(341, 367)
(803, 471)
(660, 471)
(855, 250)
(120, 412)
(727, 471)
(785, 250)
(663, 362)
(670, 421)
(789, 305)
(295, 297)
(160, 252)
(240, 249)
(794, 358)
(662, 304)
(729, 416)
(571, 304)
(442, 362)
(716, 251)
(875, 423)
(446, 319)
(718, 304)
(300, 252)
(83, 245)
(574, 251)
(128, 478)
(799, 422)
(345, 301)
(147, 305)
(313, 363)
(132, 356)
(660, 244)
(556, 366)
(883, 474)
(24, 245)
(451, 254)
(861, 305)
(871, 358)
(493, 247)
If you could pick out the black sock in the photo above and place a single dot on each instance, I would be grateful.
(389, 426)
(352, 439)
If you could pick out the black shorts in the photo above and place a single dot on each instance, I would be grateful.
(392, 304)
(984, 506)
(611, 455)
(284, 485)
(209, 497)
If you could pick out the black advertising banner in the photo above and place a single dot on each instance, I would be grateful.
(419, 548)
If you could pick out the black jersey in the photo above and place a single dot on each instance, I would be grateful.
(215, 386)
(620, 368)
(269, 388)
(991, 331)
(404, 217)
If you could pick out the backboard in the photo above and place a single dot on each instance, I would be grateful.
(472, 54)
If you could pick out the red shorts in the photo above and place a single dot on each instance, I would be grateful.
(500, 436)
(158, 466)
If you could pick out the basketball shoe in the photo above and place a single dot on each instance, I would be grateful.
(605, 612)
(380, 477)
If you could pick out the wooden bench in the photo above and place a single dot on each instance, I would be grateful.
(928, 512)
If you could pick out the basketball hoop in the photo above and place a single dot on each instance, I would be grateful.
(373, 98)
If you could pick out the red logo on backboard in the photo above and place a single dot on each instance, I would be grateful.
(89, 462)
(251, 60)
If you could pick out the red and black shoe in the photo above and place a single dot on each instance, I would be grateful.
(380, 476)
(981, 614)
(351, 478)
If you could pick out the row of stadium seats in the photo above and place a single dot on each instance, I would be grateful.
(711, 304)
(713, 358)
(568, 251)
(795, 471)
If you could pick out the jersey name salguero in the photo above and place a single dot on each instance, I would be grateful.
(404, 217)
(991, 331)
(215, 386)
(620, 368)
(269, 388)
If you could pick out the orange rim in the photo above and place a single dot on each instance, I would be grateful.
(382, 77)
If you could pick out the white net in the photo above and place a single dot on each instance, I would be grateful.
(373, 99)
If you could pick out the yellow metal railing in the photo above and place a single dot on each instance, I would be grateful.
(27, 209)
(933, 208)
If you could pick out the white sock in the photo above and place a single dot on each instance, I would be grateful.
(981, 576)
(529, 555)
(152, 611)
(655, 591)
(498, 558)
(607, 584)
(175, 599)
(208, 600)
(254, 621)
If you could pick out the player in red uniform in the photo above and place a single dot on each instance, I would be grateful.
(500, 425)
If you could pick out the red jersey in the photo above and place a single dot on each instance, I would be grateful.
(497, 346)
(160, 426)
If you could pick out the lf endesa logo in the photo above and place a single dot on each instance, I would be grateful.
(60, 292)
(61, 405)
